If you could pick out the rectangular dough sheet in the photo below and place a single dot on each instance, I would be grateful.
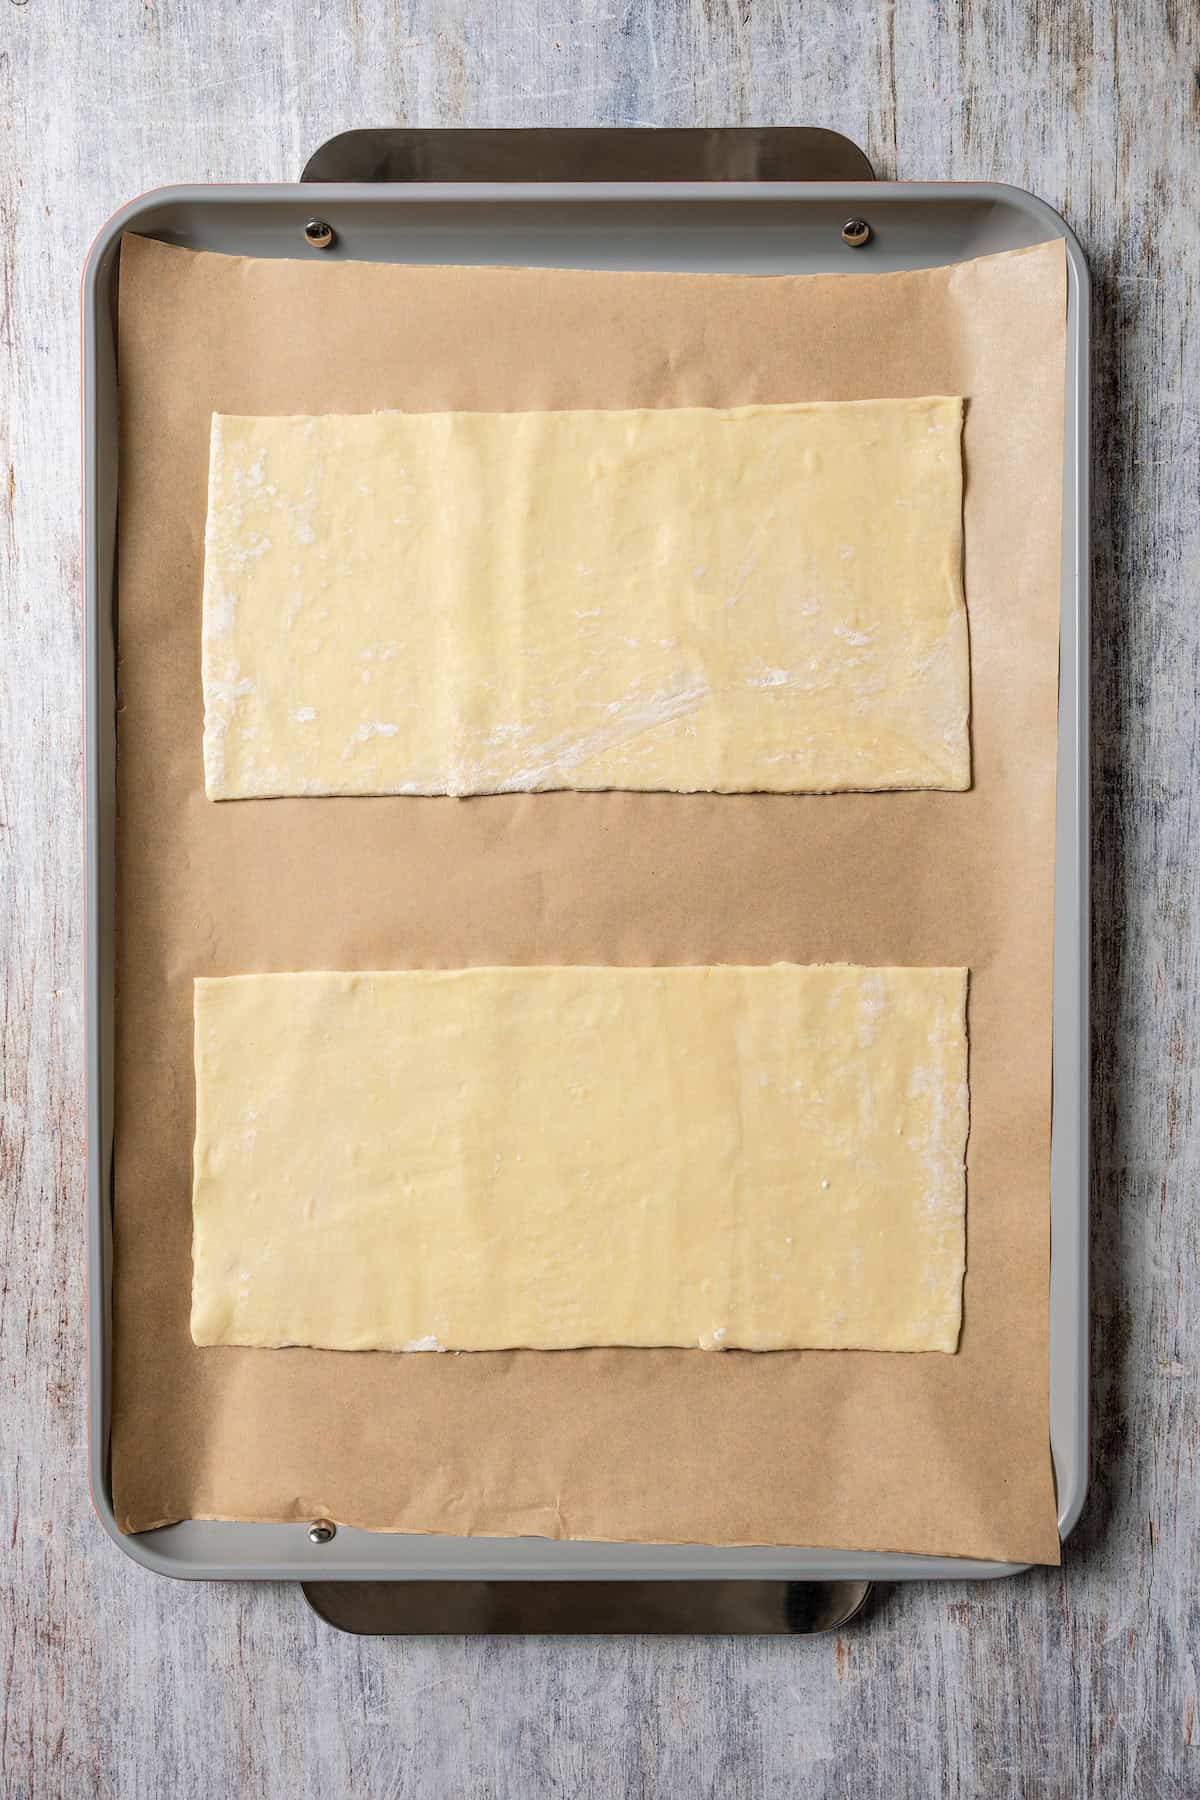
(753, 598)
(756, 1158)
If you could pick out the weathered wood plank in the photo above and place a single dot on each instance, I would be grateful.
(1065, 1683)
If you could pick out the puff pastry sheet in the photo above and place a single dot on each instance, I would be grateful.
(758, 1158)
(762, 598)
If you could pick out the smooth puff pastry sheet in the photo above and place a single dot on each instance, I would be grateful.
(756, 598)
(756, 1158)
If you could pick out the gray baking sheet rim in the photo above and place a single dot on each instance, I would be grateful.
(776, 227)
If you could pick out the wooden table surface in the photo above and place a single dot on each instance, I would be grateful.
(1079, 1681)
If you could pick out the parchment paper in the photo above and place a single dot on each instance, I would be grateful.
(941, 1454)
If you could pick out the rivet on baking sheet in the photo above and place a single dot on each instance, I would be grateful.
(321, 1530)
(318, 234)
(856, 233)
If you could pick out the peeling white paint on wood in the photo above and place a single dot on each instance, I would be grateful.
(1058, 1684)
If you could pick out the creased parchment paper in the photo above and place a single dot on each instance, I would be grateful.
(940, 1454)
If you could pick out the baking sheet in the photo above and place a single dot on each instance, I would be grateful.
(837, 1449)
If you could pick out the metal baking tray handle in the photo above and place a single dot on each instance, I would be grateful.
(723, 153)
(571, 1608)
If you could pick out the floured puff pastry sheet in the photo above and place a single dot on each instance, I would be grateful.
(726, 1157)
(758, 598)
